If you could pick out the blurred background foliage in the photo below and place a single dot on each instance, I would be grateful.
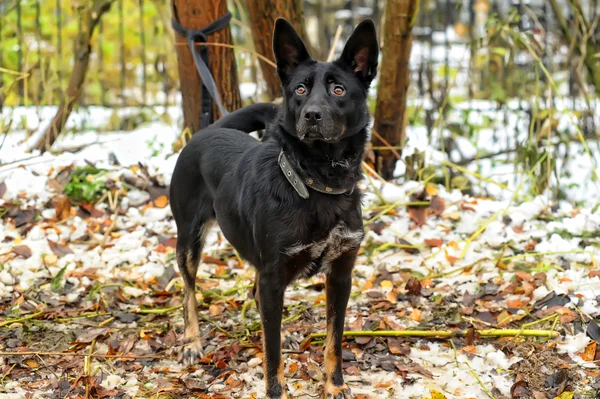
(133, 61)
(490, 79)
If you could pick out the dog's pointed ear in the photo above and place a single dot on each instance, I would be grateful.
(288, 48)
(361, 52)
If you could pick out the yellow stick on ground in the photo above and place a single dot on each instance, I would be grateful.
(446, 334)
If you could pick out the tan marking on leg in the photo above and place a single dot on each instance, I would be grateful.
(192, 329)
(281, 378)
(192, 348)
(280, 371)
(331, 391)
(330, 361)
(265, 361)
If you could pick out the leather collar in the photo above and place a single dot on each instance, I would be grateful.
(300, 183)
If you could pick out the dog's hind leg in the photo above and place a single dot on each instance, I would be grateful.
(189, 250)
(338, 286)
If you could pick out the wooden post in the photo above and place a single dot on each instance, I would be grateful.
(197, 14)
(90, 17)
(390, 108)
(262, 16)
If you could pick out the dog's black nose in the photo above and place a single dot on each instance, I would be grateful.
(313, 114)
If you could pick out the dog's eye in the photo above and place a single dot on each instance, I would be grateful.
(301, 90)
(338, 90)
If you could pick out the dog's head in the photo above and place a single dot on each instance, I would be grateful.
(325, 101)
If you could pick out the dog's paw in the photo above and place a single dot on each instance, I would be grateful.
(333, 392)
(191, 352)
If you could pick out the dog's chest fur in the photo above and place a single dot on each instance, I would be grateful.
(339, 240)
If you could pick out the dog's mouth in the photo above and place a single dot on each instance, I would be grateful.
(309, 133)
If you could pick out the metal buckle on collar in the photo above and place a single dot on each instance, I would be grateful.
(292, 176)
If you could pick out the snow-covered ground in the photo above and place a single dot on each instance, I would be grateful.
(101, 279)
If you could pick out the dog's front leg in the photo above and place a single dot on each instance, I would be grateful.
(338, 285)
(271, 288)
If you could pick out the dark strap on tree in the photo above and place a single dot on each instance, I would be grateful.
(200, 54)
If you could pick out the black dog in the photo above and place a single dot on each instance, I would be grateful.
(289, 204)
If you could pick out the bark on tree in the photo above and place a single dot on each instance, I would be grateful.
(197, 14)
(83, 48)
(262, 16)
(390, 108)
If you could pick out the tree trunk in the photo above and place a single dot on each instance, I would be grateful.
(197, 14)
(262, 19)
(390, 107)
(83, 48)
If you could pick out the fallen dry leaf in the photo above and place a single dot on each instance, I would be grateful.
(590, 352)
(363, 340)
(161, 201)
(524, 276)
(91, 210)
(416, 315)
(215, 310)
(58, 249)
(438, 205)
(451, 259)
(413, 286)
(386, 284)
(417, 215)
(520, 389)
(213, 260)
(431, 190)
(62, 207)
(437, 395)
(467, 207)
(594, 273)
(22, 250)
(50, 259)
(454, 216)
(383, 384)
(434, 242)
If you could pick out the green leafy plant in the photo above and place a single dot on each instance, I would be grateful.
(56, 283)
(86, 184)
(155, 146)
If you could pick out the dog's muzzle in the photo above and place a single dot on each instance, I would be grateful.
(317, 127)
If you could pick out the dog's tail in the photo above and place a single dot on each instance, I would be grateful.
(250, 118)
